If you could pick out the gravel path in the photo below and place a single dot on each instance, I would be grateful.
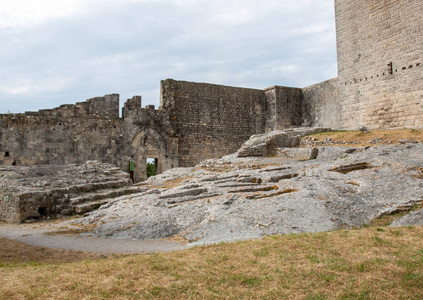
(35, 234)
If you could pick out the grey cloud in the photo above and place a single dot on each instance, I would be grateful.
(128, 48)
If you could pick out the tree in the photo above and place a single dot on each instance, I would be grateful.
(151, 169)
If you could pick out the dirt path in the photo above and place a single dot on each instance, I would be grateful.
(44, 235)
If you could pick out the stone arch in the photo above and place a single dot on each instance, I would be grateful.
(148, 143)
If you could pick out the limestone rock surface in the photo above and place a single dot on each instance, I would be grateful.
(267, 144)
(411, 219)
(235, 198)
(45, 191)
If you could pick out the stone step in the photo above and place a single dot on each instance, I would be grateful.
(67, 195)
(103, 194)
(93, 186)
(258, 188)
(106, 197)
(192, 198)
(90, 206)
(182, 193)
(344, 169)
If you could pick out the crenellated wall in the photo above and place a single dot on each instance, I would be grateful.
(98, 107)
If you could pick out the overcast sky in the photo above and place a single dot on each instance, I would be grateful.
(55, 52)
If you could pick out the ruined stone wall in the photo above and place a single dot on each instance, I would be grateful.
(90, 130)
(146, 135)
(27, 140)
(98, 107)
(380, 63)
(210, 121)
(283, 107)
(321, 105)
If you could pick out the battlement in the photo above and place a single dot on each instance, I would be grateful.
(106, 107)
(133, 109)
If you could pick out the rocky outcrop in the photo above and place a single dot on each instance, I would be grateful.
(411, 219)
(237, 198)
(268, 144)
(48, 191)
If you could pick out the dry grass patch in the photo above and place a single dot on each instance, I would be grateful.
(368, 263)
(73, 230)
(393, 135)
(17, 254)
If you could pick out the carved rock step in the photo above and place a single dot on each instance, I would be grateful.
(344, 169)
(182, 193)
(93, 186)
(103, 194)
(279, 177)
(219, 178)
(111, 184)
(90, 206)
(235, 185)
(259, 188)
(192, 198)
(73, 190)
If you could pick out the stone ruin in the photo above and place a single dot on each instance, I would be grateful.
(56, 191)
(379, 85)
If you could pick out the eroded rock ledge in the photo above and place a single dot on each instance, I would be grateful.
(294, 190)
(57, 190)
(237, 198)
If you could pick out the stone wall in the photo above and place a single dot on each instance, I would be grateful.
(196, 121)
(145, 134)
(90, 130)
(210, 120)
(321, 105)
(380, 63)
(98, 107)
(283, 107)
(27, 140)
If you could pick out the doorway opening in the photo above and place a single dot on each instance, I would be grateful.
(151, 166)
(42, 211)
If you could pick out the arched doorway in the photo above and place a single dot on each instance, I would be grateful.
(148, 144)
